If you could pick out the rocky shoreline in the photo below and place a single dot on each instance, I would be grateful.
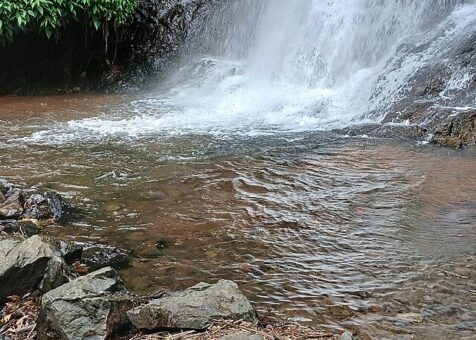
(50, 293)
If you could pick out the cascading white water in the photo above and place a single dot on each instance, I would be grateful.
(265, 65)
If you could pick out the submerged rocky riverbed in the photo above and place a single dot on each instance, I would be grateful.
(340, 231)
(51, 293)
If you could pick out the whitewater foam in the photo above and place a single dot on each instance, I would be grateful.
(264, 67)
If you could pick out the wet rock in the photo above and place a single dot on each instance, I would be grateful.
(12, 210)
(194, 308)
(90, 307)
(412, 317)
(242, 336)
(97, 257)
(456, 132)
(25, 265)
(384, 131)
(14, 196)
(42, 207)
(26, 227)
(431, 100)
(341, 311)
(346, 336)
(162, 243)
(70, 251)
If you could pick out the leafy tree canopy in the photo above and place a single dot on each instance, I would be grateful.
(49, 17)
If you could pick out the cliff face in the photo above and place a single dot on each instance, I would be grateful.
(84, 60)
(441, 97)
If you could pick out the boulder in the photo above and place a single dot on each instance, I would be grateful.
(90, 307)
(42, 207)
(24, 266)
(194, 308)
(7, 244)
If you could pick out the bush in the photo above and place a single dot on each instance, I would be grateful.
(49, 17)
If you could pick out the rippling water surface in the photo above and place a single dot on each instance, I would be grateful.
(322, 229)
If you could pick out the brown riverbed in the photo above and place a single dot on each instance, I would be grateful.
(345, 233)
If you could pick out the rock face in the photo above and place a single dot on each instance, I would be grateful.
(90, 307)
(24, 266)
(432, 101)
(194, 308)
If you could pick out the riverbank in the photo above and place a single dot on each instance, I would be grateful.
(49, 290)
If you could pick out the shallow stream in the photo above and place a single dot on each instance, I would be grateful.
(324, 229)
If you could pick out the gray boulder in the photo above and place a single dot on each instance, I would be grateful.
(194, 308)
(24, 266)
(90, 307)
(7, 244)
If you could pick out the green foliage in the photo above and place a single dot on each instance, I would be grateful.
(49, 17)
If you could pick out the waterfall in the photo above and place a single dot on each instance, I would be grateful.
(317, 63)
(266, 66)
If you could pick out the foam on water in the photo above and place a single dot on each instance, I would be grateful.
(260, 67)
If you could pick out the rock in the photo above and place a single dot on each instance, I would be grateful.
(194, 308)
(14, 196)
(7, 244)
(412, 317)
(341, 311)
(45, 206)
(55, 275)
(70, 251)
(90, 307)
(12, 210)
(24, 266)
(25, 227)
(456, 132)
(97, 257)
(346, 336)
(242, 336)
